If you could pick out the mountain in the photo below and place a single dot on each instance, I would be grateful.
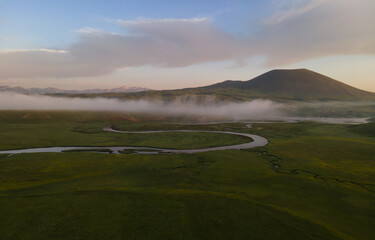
(279, 85)
(297, 84)
(22, 90)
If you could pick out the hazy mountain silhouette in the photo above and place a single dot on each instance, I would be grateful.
(295, 85)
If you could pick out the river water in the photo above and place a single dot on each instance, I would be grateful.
(254, 141)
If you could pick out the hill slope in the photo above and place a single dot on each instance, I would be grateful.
(297, 84)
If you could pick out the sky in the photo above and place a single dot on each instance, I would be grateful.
(169, 44)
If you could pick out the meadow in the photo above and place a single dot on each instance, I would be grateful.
(322, 188)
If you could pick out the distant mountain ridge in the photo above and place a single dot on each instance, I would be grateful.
(18, 89)
(277, 85)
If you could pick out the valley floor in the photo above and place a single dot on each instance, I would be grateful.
(313, 181)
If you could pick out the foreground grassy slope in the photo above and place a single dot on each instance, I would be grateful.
(318, 191)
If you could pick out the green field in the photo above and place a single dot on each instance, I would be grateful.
(48, 129)
(324, 187)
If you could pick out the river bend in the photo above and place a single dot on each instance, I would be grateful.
(255, 141)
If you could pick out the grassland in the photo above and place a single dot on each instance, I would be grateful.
(48, 129)
(323, 188)
(365, 129)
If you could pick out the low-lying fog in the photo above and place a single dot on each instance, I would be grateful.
(204, 110)
(257, 109)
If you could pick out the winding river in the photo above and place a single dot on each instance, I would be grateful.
(255, 141)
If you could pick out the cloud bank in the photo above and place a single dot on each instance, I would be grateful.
(317, 28)
(257, 109)
(298, 30)
(160, 43)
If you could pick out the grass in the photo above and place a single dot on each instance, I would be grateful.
(47, 129)
(214, 195)
(365, 129)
